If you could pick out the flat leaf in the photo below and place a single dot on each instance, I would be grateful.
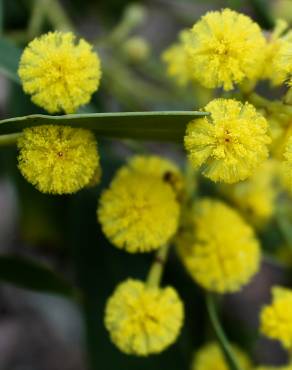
(166, 125)
(9, 59)
(32, 275)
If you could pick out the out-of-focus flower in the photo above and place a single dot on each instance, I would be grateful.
(276, 318)
(218, 248)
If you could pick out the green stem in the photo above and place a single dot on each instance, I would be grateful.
(284, 227)
(58, 17)
(37, 18)
(11, 139)
(272, 106)
(222, 339)
(156, 270)
(258, 100)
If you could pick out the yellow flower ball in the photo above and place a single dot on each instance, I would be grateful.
(276, 318)
(177, 61)
(160, 167)
(217, 247)
(256, 196)
(225, 48)
(57, 159)
(143, 320)
(276, 43)
(139, 212)
(229, 144)
(210, 357)
(284, 60)
(59, 73)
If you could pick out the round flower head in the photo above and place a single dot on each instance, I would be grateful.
(230, 143)
(177, 60)
(277, 42)
(58, 159)
(210, 357)
(159, 167)
(256, 196)
(276, 318)
(225, 48)
(59, 73)
(143, 320)
(284, 60)
(217, 247)
(138, 212)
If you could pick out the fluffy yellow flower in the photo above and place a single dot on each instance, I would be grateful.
(160, 167)
(138, 212)
(256, 196)
(284, 60)
(60, 74)
(280, 129)
(57, 159)
(287, 165)
(143, 320)
(217, 247)
(276, 318)
(210, 357)
(276, 43)
(177, 60)
(230, 143)
(225, 48)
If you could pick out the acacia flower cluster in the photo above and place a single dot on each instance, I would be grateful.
(244, 142)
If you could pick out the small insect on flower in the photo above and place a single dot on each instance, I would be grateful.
(58, 159)
(225, 48)
(160, 167)
(276, 318)
(217, 247)
(59, 73)
(230, 144)
(210, 357)
(143, 320)
(139, 212)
